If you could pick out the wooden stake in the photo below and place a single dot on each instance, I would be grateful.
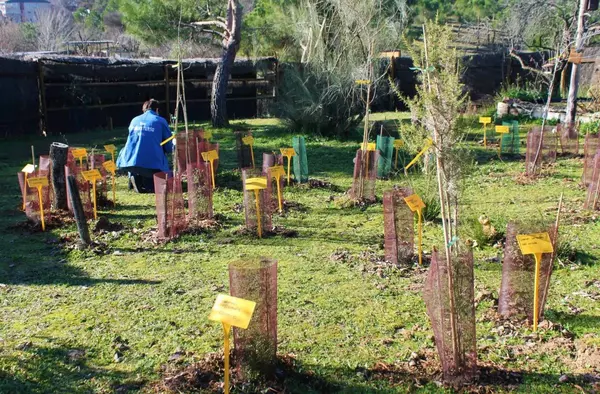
(82, 227)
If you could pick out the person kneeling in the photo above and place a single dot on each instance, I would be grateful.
(143, 155)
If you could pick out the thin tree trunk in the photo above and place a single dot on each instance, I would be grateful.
(574, 86)
(82, 227)
(58, 158)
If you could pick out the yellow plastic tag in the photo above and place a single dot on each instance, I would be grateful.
(210, 155)
(79, 153)
(288, 152)
(485, 120)
(37, 182)
(110, 166)
(91, 175)
(535, 243)
(277, 172)
(110, 148)
(256, 183)
(248, 140)
(207, 134)
(28, 169)
(398, 144)
(234, 311)
(414, 202)
(502, 129)
(371, 146)
(363, 81)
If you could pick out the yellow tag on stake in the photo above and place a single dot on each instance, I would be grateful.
(110, 149)
(502, 129)
(210, 155)
(79, 153)
(110, 166)
(37, 182)
(233, 311)
(371, 146)
(248, 140)
(414, 202)
(256, 183)
(288, 152)
(398, 144)
(277, 172)
(535, 243)
(91, 175)
(206, 134)
(485, 120)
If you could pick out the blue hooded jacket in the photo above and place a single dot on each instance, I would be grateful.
(143, 149)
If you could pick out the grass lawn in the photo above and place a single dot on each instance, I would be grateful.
(77, 321)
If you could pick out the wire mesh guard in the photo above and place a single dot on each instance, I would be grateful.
(205, 146)
(518, 275)
(270, 160)
(511, 143)
(300, 162)
(365, 175)
(95, 162)
(590, 148)
(569, 139)
(170, 210)
(398, 227)
(84, 188)
(541, 148)
(187, 150)
(244, 154)
(200, 192)
(454, 333)
(255, 349)
(593, 190)
(385, 146)
(264, 203)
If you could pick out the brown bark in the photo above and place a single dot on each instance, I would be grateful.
(82, 227)
(574, 85)
(231, 44)
(58, 158)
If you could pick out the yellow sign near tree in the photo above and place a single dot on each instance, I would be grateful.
(485, 120)
(249, 140)
(207, 134)
(92, 176)
(428, 144)
(536, 244)
(231, 311)
(502, 129)
(289, 153)
(28, 169)
(277, 172)
(256, 185)
(112, 150)
(79, 154)
(111, 167)
(39, 183)
(416, 204)
(211, 156)
(397, 145)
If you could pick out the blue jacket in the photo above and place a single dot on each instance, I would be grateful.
(143, 149)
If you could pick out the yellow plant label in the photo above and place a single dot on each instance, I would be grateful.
(79, 153)
(110, 148)
(210, 155)
(110, 166)
(363, 81)
(371, 146)
(28, 169)
(233, 311)
(414, 202)
(277, 172)
(91, 175)
(502, 129)
(37, 182)
(288, 152)
(535, 243)
(248, 140)
(485, 120)
(207, 134)
(398, 144)
(256, 183)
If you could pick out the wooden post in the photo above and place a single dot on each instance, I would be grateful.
(42, 98)
(58, 160)
(82, 227)
(575, 69)
(167, 94)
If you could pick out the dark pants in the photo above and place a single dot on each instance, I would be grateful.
(141, 179)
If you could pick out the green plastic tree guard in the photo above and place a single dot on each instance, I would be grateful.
(299, 161)
(385, 146)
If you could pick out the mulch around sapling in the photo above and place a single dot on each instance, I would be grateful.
(195, 227)
(275, 231)
(319, 184)
(52, 220)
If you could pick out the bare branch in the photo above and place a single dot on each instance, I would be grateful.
(220, 24)
(528, 68)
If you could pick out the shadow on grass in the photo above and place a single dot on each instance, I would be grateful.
(581, 321)
(39, 369)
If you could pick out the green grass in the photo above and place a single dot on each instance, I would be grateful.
(333, 316)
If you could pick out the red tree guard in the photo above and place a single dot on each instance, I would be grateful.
(459, 366)
(270, 160)
(170, 210)
(255, 349)
(590, 148)
(592, 199)
(200, 192)
(569, 139)
(398, 227)
(547, 152)
(365, 175)
(84, 188)
(518, 275)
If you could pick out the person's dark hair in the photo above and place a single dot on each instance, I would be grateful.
(150, 105)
